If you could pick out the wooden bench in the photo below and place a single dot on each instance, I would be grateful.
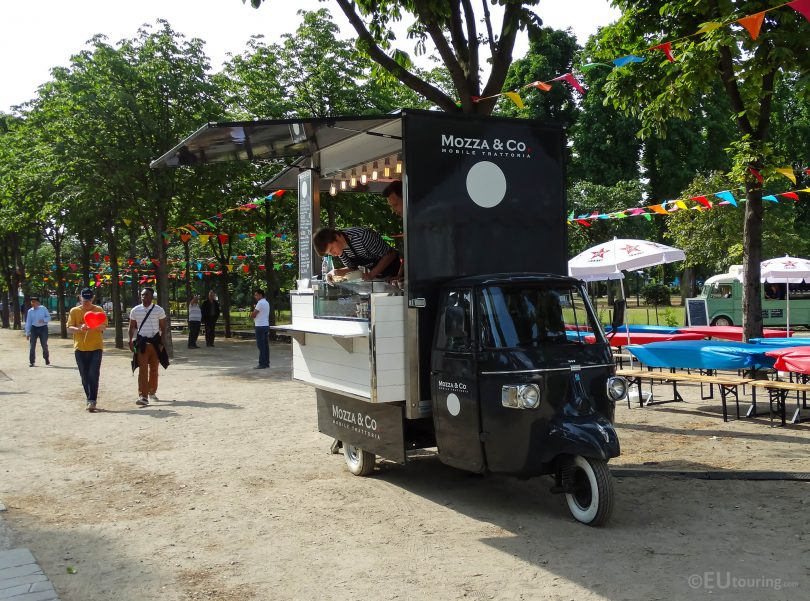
(778, 392)
(726, 384)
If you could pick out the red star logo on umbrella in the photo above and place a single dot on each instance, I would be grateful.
(789, 265)
(630, 249)
(599, 253)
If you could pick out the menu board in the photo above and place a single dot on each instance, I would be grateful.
(305, 225)
(696, 312)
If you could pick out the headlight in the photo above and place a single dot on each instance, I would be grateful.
(521, 396)
(616, 388)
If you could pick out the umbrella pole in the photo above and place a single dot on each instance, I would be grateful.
(626, 325)
(787, 303)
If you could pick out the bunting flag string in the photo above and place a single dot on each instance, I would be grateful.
(702, 203)
(751, 23)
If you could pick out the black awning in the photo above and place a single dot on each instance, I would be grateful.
(273, 139)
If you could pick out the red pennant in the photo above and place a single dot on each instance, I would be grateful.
(569, 77)
(245, 268)
(666, 48)
(583, 222)
(702, 200)
(223, 238)
(802, 6)
(756, 173)
(791, 195)
(279, 193)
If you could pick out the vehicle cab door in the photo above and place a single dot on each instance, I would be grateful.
(454, 383)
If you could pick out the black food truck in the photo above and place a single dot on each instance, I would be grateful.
(476, 350)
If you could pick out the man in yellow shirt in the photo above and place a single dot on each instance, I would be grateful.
(88, 344)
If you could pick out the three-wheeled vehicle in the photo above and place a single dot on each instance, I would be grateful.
(478, 351)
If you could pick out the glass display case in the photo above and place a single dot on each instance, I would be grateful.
(348, 299)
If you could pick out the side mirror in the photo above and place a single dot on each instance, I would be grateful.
(455, 325)
(619, 308)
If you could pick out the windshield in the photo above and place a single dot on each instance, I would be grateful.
(535, 315)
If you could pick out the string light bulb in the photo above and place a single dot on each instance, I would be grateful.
(374, 174)
(353, 181)
(399, 163)
(387, 168)
(342, 184)
(364, 176)
(333, 189)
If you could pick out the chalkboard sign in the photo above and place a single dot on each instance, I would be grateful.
(305, 225)
(696, 312)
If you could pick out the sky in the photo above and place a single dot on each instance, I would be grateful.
(38, 36)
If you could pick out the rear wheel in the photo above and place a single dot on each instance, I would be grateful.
(721, 321)
(359, 462)
(591, 498)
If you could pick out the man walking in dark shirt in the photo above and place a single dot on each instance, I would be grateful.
(210, 315)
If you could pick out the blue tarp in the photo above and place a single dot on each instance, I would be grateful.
(702, 354)
(781, 342)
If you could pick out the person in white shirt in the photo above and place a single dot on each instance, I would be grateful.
(261, 322)
(36, 328)
(147, 322)
(194, 319)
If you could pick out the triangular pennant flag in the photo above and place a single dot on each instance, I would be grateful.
(209, 223)
(223, 238)
(727, 196)
(127, 222)
(681, 205)
(515, 97)
(787, 172)
(590, 66)
(770, 198)
(757, 174)
(647, 216)
(245, 268)
(185, 237)
(204, 238)
(791, 195)
(230, 267)
(702, 200)
(752, 23)
(802, 6)
(805, 190)
(583, 222)
(710, 26)
(658, 209)
(666, 48)
(630, 58)
(569, 77)
(541, 85)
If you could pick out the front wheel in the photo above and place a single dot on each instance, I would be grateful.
(721, 321)
(591, 498)
(359, 462)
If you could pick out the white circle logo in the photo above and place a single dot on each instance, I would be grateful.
(453, 404)
(486, 184)
(304, 190)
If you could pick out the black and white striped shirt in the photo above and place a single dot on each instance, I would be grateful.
(365, 247)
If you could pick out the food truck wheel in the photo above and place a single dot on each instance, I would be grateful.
(360, 462)
(721, 321)
(591, 499)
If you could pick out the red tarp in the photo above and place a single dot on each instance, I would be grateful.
(728, 332)
(792, 358)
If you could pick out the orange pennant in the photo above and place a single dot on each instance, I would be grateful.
(753, 23)
(541, 85)
(658, 209)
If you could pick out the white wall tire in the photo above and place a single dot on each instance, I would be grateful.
(359, 462)
(591, 501)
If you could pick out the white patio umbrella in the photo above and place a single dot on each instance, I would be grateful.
(785, 270)
(610, 258)
(607, 260)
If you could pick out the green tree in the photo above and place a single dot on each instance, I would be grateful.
(748, 69)
(453, 29)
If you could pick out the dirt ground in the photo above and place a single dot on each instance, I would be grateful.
(225, 490)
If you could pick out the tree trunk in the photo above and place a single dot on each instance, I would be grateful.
(61, 302)
(115, 288)
(163, 282)
(752, 257)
